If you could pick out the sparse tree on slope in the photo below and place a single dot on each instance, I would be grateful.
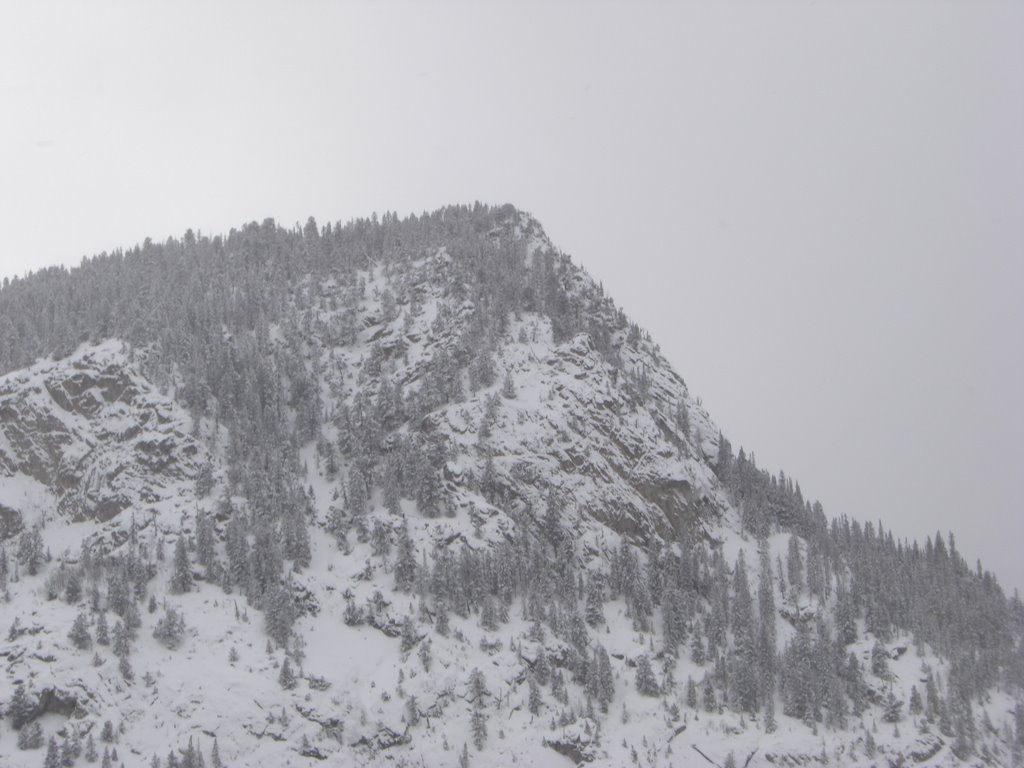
(181, 576)
(79, 634)
(646, 683)
(405, 562)
(478, 726)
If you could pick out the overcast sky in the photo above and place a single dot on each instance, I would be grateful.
(817, 208)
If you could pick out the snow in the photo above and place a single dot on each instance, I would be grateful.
(571, 421)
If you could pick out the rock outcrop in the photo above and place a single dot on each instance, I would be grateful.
(95, 433)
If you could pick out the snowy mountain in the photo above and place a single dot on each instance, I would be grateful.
(415, 492)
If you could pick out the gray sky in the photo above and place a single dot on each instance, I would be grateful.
(817, 208)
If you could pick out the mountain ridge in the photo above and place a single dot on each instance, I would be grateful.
(399, 421)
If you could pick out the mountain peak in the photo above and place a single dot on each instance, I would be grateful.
(416, 491)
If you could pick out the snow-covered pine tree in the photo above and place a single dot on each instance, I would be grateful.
(102, 630)
(478, 727)
(646, 683)
(79, 634)
(205, 540)
(21, 707)
(278, 613)
(795, 566)
(91, 755)
(286, 678)
(170, 628)
(915, 707)
(181, 575)
(405, 561)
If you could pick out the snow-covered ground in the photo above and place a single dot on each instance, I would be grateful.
(624, 465)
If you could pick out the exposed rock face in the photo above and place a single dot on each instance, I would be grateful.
(621, 462)
(625, 465)
(94, 432)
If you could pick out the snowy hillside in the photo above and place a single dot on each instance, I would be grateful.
(417, 493)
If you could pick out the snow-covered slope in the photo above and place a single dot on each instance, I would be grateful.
(490, 599)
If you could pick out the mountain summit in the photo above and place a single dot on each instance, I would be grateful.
(416, 492)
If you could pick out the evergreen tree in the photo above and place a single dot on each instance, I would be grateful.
(478, 727)
(30, 550)
(287, 677)
(770, 724)
(605, 678)
(170, 629)
(893, 709)
(931, 711)
(90, 750)
(73, 589)
(542, 667)
(125, 668)
(795, 566)
(278, 613)
(489, 615)
(412, 711)
(21, 707)
(102, 632)
(869, 744)
(405, 563)
(800, 692)
(205, 538)
(534, 701)
(915, 701)
(477, 687)
(855, 686)
(646, 683)
(409, 634)
(181, 577)
(846, 624)
(79, 634)
(744, 657)
(766, 637)
(204, 480)
(697, 650)
(52, 759)
(30, 737)
(122, 640)
(441, 620)
(551, 525)
(119, 592)
(595, 601)
(426, 658)
(710, 702)
(879, 660)
(296, 538)
(392, 486)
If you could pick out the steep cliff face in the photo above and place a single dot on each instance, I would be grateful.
(568, 426)
(94, 434)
